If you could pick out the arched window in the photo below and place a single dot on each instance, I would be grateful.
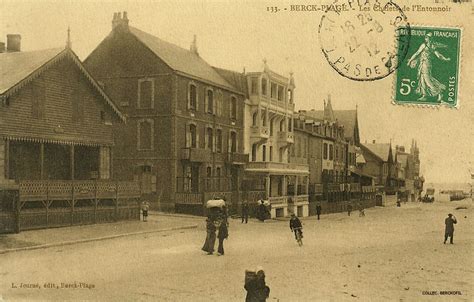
(233, 142)
(264, 153)
(282, 125)
(210, 101)
(254, 119)
(209, 138)
(325, 151)
(191, 139)
(331, 152)
(219, 140)
(192, 97)
(254, 152)
(233, 108)
(272, 121)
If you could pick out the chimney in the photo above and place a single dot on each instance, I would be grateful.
(120, 22)
(2, 47)
(13, 43)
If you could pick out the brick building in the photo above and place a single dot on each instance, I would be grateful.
(183, 139)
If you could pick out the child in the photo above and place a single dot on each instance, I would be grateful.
(145, 207)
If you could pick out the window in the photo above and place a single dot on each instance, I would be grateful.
(145, 94)
(218, 178)
(337, 153)
(264, 118)
(254, 152)
(209, 139)
(290, 128)
(233, 108)
(271, 126)
(331, 152)
(280, 93)
(280, 155)
(290, 96)
(145, 135)
(209, 178)
(282, 125)
(191, 136)
(271, 153)
(254, 85)
(264, 86)
(233, 142)
(273, 92)
(325, 151)
(219, 140)
(210, 101)
(38, 100)
(304, 147)
(264, 153)
(219, 100)
(192, 97)
(254, 119)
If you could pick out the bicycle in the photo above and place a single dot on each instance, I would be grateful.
(299, 235)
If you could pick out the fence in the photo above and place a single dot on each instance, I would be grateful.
(44, 204)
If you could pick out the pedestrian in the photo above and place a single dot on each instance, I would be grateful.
(245, 211)
(145, 207)
(318, 210)
(349, 209)
(223, 234)
(361, 210)
(210, 237)
(398, 203)
(296, 226)
(449, 230)
(257, 289)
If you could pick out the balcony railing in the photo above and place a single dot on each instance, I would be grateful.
(283, 167)
(260, 132)
(277, 200)
(195, 154)
(237, 158)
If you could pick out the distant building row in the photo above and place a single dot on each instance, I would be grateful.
(146, 110)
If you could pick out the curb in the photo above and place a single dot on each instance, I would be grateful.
(175, 215)
(65, 243)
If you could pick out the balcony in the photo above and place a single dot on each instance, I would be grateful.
(277, 200)
(237, 158)
(262, 132)
(195, 155)
(275, 167)
(285, 137)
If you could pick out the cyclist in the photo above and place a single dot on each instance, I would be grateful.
(296, 226)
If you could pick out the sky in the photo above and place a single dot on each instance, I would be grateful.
(240, 34)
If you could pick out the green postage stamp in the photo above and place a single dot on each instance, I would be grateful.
(429, 74)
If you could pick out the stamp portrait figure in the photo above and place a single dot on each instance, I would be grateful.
(428, 85)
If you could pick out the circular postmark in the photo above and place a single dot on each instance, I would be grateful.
(364, 40)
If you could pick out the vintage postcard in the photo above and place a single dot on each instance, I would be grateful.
(218, 150)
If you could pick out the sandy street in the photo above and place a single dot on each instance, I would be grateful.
(392, 254)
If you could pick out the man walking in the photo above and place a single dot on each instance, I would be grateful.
(245, 211)
(318, 210)
(449, 230)
(223, 234)
(349, 209)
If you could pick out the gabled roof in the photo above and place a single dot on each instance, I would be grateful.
(347, 118)
(236, 79)
(382, 151)
(180, 59)
(16, 66)
(19, 68)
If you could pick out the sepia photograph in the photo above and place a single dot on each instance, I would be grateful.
(218, 150)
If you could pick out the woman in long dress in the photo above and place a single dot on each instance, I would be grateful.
(210, 237)
(427, 84)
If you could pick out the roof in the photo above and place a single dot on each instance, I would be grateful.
(19, 68)
(380, 150)
(236, 79)
(347, 118)
(180, 59)
(16, 66)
